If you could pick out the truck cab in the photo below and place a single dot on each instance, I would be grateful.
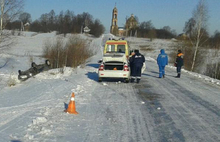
(117, 46)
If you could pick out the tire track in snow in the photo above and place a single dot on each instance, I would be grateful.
(163, 125)
(176, 109)
(201, 119)
(196, 98)
(14, 123)
(122, 112)
(177, 98)
(12, 115)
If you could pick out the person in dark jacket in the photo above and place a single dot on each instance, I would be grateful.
(132, 53)
(136, 62)
(179, 63)
(162, 61)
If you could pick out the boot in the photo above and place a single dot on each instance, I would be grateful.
(132, 80)
(138, 80)
(178, 75)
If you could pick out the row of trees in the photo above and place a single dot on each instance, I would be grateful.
(65, 22)
(147, 29)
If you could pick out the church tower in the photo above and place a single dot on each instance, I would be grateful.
(114, 25)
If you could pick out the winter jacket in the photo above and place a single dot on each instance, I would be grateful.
(179, 60)
(162, 59)
(137, 60)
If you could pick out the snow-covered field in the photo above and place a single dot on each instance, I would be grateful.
(109, 111)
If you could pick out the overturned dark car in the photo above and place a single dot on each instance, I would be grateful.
(35, 69)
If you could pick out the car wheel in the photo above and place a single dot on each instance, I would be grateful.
(33, 65)
(19, 72)
(47, 62)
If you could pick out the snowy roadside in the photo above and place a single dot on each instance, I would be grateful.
(197, 75)
(36, 112)
(153, 49)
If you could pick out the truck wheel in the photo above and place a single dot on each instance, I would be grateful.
(100, 79)
(126, 80)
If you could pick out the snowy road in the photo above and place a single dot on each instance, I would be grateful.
(155, 110)
(184, 109)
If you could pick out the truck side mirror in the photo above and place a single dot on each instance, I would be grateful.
(100, 61)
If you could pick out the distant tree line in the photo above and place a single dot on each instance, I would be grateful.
(68, 22)
(63, 23)
(147, 30)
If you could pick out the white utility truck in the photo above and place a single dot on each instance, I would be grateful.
(114, 63)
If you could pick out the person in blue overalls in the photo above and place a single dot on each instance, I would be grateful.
(162, 61)
(136, 62)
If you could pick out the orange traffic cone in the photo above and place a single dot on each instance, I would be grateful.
(71, 107)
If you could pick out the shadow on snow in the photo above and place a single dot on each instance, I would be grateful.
(93, 65)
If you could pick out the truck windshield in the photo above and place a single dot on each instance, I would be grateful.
(110, 48)
(121, 48)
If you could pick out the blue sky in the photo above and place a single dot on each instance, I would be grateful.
(173, 13)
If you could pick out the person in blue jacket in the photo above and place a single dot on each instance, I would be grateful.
(136, 62)
(162, 61)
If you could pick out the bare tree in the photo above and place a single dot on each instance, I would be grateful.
(146, 29)
(10, 9)
(200, 15)
(97, 28)
(52, 20)
(25, 17)
(167, 28)
(189, 26)
(146, 25)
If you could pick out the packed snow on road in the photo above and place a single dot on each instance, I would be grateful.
(171, 109)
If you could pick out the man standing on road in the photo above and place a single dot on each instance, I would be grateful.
(162, 61)
(131, 64)
(136, 62)
(179, 63)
